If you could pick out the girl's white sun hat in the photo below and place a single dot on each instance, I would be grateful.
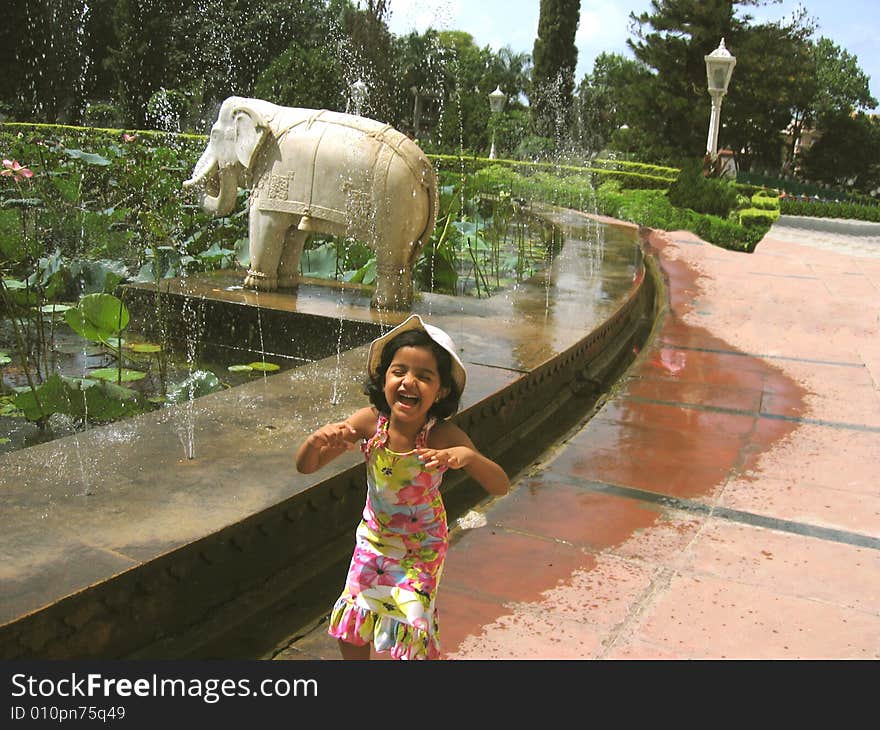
(374, 358)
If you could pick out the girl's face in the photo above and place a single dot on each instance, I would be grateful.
(412, 383)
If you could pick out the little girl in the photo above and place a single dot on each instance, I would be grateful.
(415, 382)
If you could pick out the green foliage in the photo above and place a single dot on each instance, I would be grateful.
(81, 398)
(703, 194)
(555, 59)
(653, 208)
(195, 385)
(758, 217)
(304, 77)
(847, 154)
(168, 109)
(98, 317)
(101, 114)
(534, 147)
(603, 103)
(827, 209)
(638, 168)
(764, 200)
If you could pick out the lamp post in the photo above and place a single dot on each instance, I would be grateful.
(358, 94)
(719, 69)
(496, 104)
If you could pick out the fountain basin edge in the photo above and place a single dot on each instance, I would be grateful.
(239, 590)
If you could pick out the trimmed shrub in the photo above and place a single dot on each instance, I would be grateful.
(822, 209)
(764, 200)
(758, 217)
(704, 195)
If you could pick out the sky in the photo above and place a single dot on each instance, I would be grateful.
(854, 25)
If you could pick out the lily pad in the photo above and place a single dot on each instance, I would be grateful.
(239, 368)
(266, 367)
(195, 385)
(79, 398)
(88, 157)
(112, 374)
(105, 311)
(55, 308)
(98, 317)
(144, 347)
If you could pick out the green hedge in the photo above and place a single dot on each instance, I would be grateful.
(764, 200)
(758, 217)
(629, 174)
(709, 195)
(797, 187)
(822, 209)
(652, 208)
(641, 168)
(95, 134)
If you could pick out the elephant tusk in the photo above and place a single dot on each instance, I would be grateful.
(199, 177)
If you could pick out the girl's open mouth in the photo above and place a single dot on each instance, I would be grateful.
(408, 400)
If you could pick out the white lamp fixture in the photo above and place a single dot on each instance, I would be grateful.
(719, 69)
(358, 94)
(496, 104)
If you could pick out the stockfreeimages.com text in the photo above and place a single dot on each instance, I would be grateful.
(209, 690)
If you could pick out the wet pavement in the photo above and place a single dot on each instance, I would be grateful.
(103, 533)
(723, 503)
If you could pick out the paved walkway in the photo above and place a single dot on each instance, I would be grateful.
(723, 503)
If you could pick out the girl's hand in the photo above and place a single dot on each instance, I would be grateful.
(456, 457)
(335, 436)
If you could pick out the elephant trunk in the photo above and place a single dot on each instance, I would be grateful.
(220, 186)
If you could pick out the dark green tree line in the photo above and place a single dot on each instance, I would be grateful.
(785, 81)
(555, 58)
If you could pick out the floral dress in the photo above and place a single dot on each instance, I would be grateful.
(400, 546)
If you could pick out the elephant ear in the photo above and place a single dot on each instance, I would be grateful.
(250, 132)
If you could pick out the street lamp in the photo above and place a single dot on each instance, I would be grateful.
(358, 95)
(496, 104)
(719, 69)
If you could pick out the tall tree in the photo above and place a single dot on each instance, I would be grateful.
(604, 102)
(139, 59)
(671, 40)
(839, 87)
(367, 56)
(464, 120)
(847, 153)
(48, 58)
(419, 65)
(774, 76)
(232, 47)
(555, 58)
(512, 72)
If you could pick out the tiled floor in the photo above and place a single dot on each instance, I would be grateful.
(724, 504)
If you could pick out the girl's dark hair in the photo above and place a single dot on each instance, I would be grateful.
(375, 385)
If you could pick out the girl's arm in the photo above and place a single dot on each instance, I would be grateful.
(328, 442)
(454, 450)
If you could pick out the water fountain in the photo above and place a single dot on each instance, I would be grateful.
(212, 549)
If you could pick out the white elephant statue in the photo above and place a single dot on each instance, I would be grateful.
(316, 170)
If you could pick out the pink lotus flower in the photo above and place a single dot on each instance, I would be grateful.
(15, 170)
(126, 137)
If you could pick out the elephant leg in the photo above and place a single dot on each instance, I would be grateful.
(288, 268)
(394, 289)
(267, 230)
